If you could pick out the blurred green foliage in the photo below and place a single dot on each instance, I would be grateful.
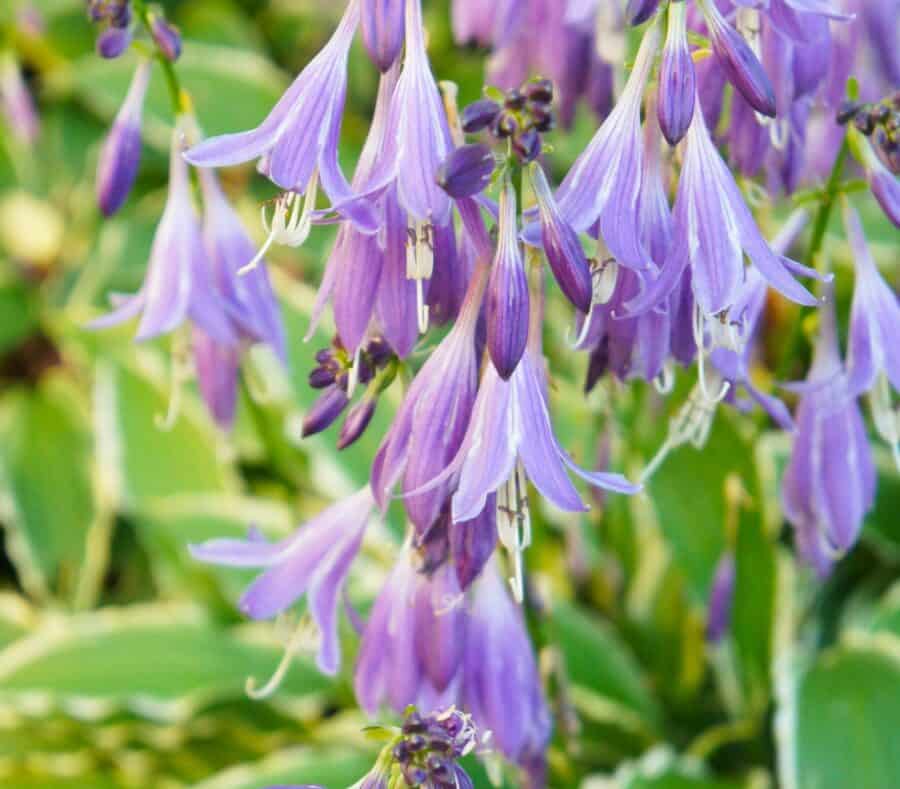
(123, 664)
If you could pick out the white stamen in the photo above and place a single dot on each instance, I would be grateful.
(604, 277)
(180, 373)
(353, 377)
(514, 526)
(665, 381)
(420, 266)
(718, 333)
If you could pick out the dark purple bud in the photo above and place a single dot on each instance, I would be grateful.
(479, 115)
(507, 293)
(327, 408)
(562, 246)
(540, 91)
(847, 111)
(322, 377)
(167, 38)
(121, 153)
(677, 79)
(504, 125)
(740, 64)
(383, 28)
(639, 11)
(357, 421)
(543, 118)
(864, 122)
(720, 600)
(113, 41)
(515, 100)
(466, 171)
(527, 145)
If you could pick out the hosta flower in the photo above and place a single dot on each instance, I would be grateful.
(429, 427)
(382, 30)
(713, 230)
(603, 185)
(829, 484)
(16, 102)
(121, 153)
(677, 80)
(298, 141)
(179, 282)
(874, 355)
(501, 684)
(313, 562)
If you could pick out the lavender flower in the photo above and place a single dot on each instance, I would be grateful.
(467, 171)
(677, 80)
(382, 30)
(314, 561)
(874, 356)
(603, 185)
(713, 230)
(121, 152)
(429, 427)
(113, 42)
(501, 683)
(179, 282)
(507, 294)
(299, 141)
(829, 484)
(721, 599)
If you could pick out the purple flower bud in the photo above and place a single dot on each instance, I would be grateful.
(886, 190)
(639, 11)
(677, 79)
(16, 102)
(466, 171)
(383, 30)
(540, 91)
(720, 599)
(121, 152)
(527, 145)
(217, 366)
(472, 542)
(327, 408)
(113, 41)
(357, 421)
(507, 294)
(740, 64)
(167, 38)
(479, 115)
(562, 246)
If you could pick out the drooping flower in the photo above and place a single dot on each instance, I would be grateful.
(603, 186)
(430, 425)
(873, 360)
(677, 80)
(298, 140)
(179, 282)
(313, 562)
(382, 31)
(829, 484)
(713, 230)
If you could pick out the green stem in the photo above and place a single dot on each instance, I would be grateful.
(177, 96)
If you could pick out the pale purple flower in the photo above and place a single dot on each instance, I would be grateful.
(312, 562)
(507, 292)
(805, 20)
(179, 283)
(217, 366)
(486, 24)
(121, 153)
(382, 31)
(713, 230)
(17, 103)
(829, 484)
(603, 186)
(429, 427)
(885, 188)
(423, 136)
(501, 684)
(677, 79)
(721, 599)
(298, 141)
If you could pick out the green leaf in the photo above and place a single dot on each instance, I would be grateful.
(846, 716)
(331, 768)
(47, 466)
(604, 674)
(162, 662)
(660, 768)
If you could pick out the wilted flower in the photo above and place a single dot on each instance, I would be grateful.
(314, 561)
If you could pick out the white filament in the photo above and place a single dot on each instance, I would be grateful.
(514, 526)
(718, 332)
(885, 416)
(305, 634)
(420, 266)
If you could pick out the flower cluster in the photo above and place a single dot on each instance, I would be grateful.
(439, 229)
